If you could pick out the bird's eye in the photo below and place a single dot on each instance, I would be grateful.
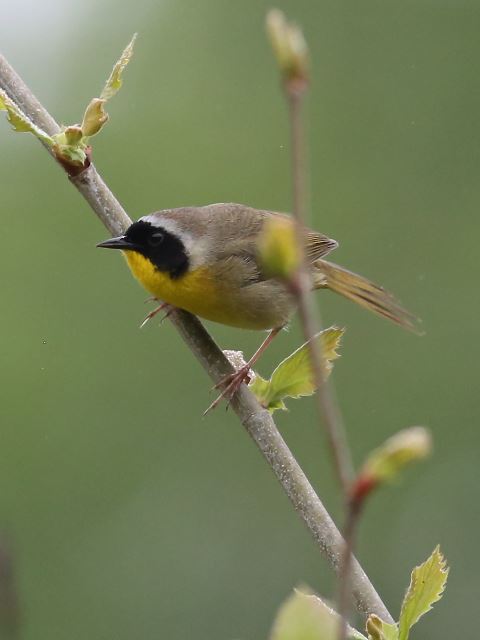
(155, 239)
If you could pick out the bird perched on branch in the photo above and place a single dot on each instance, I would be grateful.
(206, 260)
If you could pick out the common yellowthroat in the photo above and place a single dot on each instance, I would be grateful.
(205, 260)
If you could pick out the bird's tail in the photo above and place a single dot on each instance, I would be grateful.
(364, 292)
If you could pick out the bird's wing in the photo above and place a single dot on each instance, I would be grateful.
(317, 246)
(234, 230)
(238, 230)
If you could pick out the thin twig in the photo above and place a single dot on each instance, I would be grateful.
(326, 405)
(257, 421)
(344, 573)
(310, 318)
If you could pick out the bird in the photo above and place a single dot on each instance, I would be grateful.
(206, 260)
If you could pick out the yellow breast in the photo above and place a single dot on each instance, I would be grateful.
(196, 291)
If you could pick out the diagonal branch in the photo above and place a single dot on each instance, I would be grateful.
(256, 420)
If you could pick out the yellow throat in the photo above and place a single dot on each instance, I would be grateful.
(195, 291)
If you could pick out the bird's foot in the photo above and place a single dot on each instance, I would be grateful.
(231, 384)
(164, 306)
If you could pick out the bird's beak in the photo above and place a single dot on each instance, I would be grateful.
(121, 242)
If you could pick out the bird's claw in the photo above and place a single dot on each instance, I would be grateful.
(231, 384)
(153, 313)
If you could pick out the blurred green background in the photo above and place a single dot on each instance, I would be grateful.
(127, 515)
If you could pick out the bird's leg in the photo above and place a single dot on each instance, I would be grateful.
(232, 382)
(164, 306)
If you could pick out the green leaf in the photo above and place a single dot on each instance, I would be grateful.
(406, 446)
(94, 117)
(294, 377)
(114, 82)
(72, 154)
(304, 616)
(426, 587)
(21, 122)
(377, 629)
(69, 145)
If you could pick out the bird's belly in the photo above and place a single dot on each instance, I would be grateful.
(204, 296)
